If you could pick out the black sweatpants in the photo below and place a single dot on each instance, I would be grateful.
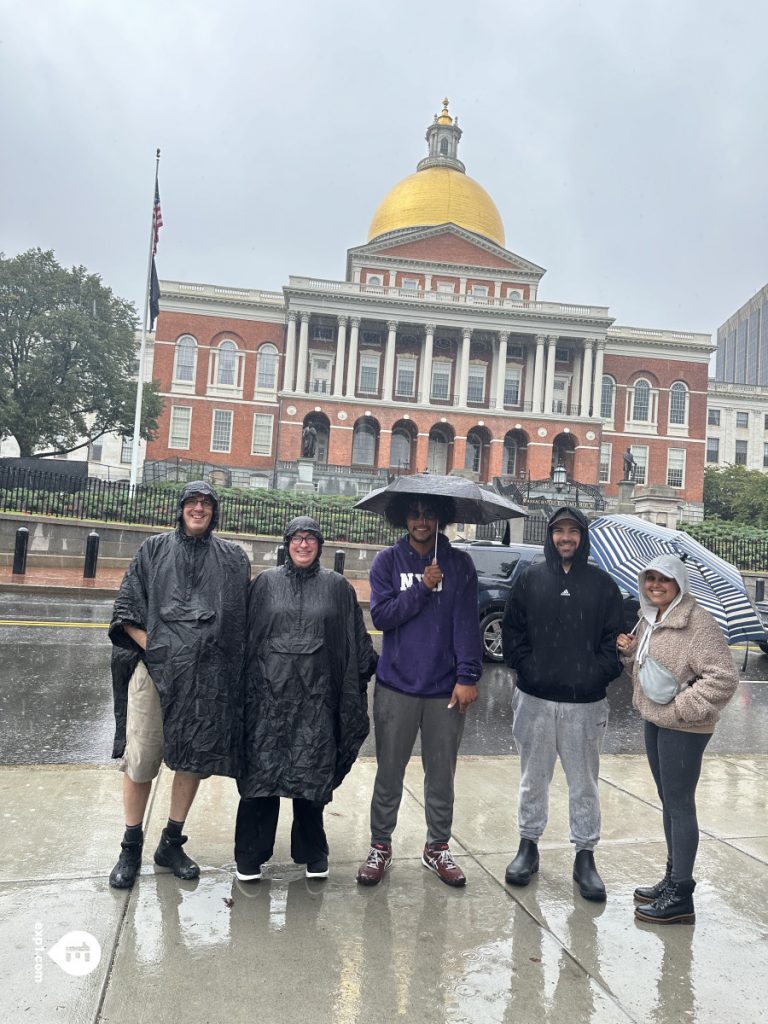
(256, 828)
(675, 759)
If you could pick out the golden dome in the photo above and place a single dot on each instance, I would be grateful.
(438, 195)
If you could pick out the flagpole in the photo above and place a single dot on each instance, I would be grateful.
(143, 348)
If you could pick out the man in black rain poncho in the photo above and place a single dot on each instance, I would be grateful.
(178, 627)
(308, 662)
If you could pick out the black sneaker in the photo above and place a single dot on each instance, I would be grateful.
(124, 873)
(169, 854)
(317, 869)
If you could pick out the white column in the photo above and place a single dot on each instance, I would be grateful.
(341, 344)
(389, 362)
(462, 286)
(464, 366)
(528, 393)
(352, 360)
(549, 384)
(427, 282)
(425, 377)
(289, 375)
(392, 278)
(301, 368)
(586, 378)
(538, 374)
(501, 368)
(574, 399)
(598, 388)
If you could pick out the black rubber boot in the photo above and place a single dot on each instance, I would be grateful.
(169, 854)
(674, 906)
(525, 864)
(586, 877)
(124, 873)
(649, 893)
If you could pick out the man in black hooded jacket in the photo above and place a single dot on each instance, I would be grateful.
(178, 627)
(559, 634)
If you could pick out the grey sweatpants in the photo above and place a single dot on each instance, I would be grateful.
(397, 719)
(543, 731)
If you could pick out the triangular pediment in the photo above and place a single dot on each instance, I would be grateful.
(446, 244)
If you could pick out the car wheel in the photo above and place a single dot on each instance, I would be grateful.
(490, 630)
(763, 648)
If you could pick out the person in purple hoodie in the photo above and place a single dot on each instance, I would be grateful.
(431, 661)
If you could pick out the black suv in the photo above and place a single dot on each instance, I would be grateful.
(498, 568)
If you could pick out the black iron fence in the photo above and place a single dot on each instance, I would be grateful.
(47, 494)
(749, 554)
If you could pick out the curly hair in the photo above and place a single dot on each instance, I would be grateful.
(399, 504)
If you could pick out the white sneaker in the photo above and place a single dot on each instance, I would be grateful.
(248, 878)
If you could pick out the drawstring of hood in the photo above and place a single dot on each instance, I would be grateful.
(673, 568)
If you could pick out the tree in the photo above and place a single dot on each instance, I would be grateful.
(67, 358)
(736, 494)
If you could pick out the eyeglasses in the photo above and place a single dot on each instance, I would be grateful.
(426, 514)
(194, 502)
(304, 538)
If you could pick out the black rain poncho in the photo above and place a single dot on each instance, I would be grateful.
(190, 595)
(308, 663)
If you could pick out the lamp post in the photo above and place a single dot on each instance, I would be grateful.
(559, 478)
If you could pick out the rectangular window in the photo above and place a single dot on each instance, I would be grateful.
(640, 453)
(713, 449)
(368, 383)
(765, 422)
(126, 449)
(97, 450)
(221, 434)
(410, 284)
(405, 382)
(514, 351)
(480, 291)
(181, 422)
(445, 287)
(560, 395)
(512, 385)
(322, 334)
(740, 455)
(765, 455)
(441, 380)
(713, 417)
(322, 368)
(562, 355)
(476, 384)
(675, 467)
(371, 338)
(261, 443)
(742, 419)
(605, 463)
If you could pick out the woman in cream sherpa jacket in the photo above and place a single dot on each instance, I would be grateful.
(683, 639)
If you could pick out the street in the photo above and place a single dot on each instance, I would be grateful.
(56, 702)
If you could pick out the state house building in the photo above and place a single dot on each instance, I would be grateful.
(434, 352)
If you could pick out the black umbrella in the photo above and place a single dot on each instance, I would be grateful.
(474, 504)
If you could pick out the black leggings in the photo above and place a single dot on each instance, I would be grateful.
(257, 825)
(675, 759)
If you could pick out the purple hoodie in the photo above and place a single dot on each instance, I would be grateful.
(431, 638)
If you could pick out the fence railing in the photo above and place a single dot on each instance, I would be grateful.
(746, 553)
(49, 494)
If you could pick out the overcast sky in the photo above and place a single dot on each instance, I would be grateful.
(623, 142)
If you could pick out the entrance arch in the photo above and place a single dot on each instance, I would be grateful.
(322, 427)
(440, 449)
(563, 450)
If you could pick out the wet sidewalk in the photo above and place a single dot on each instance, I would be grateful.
(291, 951)
(107, 581)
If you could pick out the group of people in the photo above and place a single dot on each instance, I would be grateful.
(266, 681)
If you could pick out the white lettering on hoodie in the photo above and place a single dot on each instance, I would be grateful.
(407, 578)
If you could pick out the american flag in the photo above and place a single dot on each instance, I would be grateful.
(157, 218)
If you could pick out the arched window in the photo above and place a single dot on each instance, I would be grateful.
(444, 147)
(186, 359)
(641, 403)
(678, 404)
(266, 367)
(607, 398)
(400, 451)
(509, 459)
(474, 452)
(225, 373)
(364, 444)
(437, 451)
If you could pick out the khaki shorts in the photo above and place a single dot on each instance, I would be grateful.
(143, 753)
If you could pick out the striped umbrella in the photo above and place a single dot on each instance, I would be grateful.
(623, 545)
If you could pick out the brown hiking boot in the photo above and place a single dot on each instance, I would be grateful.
(438, 858)
(376, 863)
